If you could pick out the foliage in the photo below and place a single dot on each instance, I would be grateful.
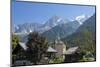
(87, 57)
(84, 37)
(15, 40)
(13, 58)
(37, 47)
(57, 60)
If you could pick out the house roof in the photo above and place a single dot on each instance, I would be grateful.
(71, 50)
(23, 45)
(19, 46)
(50, 49)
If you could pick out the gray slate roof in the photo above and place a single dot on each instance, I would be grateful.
(71, 50)
(23, 45)
(50, 49)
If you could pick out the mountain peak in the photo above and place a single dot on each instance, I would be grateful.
(55, 20)
(81, 18)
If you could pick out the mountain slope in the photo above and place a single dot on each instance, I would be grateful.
(52, 28)
(50, 23)
(31, 27)
(61, 30)
(27, 27)
(84, 37)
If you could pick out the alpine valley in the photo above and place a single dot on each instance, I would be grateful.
(52, 29)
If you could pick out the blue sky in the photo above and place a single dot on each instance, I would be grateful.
(27, 12)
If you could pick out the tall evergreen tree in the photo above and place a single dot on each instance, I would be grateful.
(37, 47)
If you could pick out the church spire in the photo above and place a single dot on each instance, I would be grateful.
(58, 37)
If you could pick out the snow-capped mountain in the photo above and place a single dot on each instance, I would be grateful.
(27, 27)
(49, 24)
(53, 26)
(30, 27)
(52, 22)
(55, 20)
(81, 19)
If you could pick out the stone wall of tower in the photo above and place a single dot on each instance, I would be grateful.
(60, 47)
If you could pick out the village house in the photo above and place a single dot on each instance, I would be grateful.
(59, 50)
(72, 55)
(20, 52)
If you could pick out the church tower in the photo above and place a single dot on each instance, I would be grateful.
(60, 47)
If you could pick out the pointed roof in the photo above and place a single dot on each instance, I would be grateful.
(71, 50)
(58, 40)
(58, 37)
(50, 49)
(19, 46)
(23, 45)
